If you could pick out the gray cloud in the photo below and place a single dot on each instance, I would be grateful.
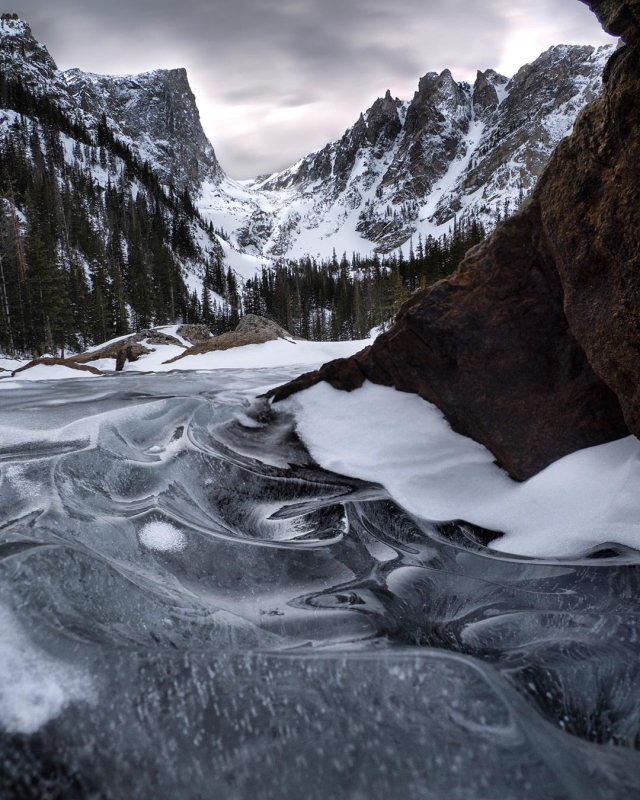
(277, 78)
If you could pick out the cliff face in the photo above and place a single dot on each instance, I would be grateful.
(533, 346)
(618, 17)
(590, 198)
(154, 113)
(157, 112)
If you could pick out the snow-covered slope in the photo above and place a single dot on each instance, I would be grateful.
(409, 168)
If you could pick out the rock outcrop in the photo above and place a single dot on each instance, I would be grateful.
(533, 346)
(252, 329)
(590, 204)
(194, 334)
(618, 17)
(156, 113)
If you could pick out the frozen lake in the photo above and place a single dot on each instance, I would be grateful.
(191, 608)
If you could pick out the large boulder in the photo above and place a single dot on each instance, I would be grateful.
(533, 346)
(590, 205)
(492, 348)
(618, 17)
(194, 334)
(252, 329)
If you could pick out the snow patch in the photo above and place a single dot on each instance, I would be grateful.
(162, 537)
(54, 372)
(404, 443)
(34, 687)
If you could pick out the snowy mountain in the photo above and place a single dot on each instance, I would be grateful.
(154, 113)
(411, 167)
(405, 168)
(94, 239)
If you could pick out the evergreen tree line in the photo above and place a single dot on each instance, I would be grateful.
(344, 299)
(82, 262)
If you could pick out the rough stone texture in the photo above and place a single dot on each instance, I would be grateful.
(485, 96)
(522, 347)
(590, 199)
(157, 111)
(195, 334)
(618, 17)
(252, 329)
(255, 324)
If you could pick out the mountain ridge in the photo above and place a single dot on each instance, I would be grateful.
(414, 167)
(405, 169)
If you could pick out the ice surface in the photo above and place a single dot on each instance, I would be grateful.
(34, 688)
(190, 607)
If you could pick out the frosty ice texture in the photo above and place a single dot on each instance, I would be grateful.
(306, 639)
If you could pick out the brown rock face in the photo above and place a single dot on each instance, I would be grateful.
(618, 17)
(533, 346)
(590, 201)
(252, 329)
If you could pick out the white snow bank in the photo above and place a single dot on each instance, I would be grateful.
(52, 372)
(34, 687)
(378, 434)
(278, 353)
(9, 364)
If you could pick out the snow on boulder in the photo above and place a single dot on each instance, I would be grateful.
(252, 329)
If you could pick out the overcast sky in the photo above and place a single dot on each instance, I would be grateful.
(275, 79)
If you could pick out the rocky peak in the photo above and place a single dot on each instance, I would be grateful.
(538, 108)
(436, 122)
(552, 77)
(438, 95)
(157, 111)
(17, 44)
(23, 58)
(485, 96)
(382, 119)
